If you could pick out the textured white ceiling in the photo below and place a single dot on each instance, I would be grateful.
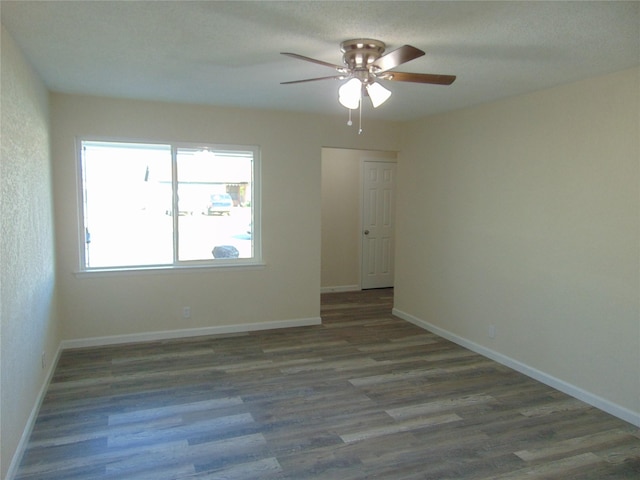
(227, 52)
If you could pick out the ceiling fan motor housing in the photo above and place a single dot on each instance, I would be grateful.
(359, 53)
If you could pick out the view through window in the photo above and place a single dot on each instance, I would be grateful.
(160, 204)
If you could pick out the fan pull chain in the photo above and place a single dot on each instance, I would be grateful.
(360, 119)
(349, 122)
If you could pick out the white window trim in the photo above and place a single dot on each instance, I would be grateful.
(177, 266)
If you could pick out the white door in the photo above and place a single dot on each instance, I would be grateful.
(378, 211)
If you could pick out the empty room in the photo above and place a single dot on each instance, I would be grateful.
(320, 240)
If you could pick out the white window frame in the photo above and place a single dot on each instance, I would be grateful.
(256, 201)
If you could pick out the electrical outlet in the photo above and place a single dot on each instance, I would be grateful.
(492, 331)
(43, 360)
(186, 312)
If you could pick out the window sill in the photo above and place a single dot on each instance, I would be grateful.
(164, 269)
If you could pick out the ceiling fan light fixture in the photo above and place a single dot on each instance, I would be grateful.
(378, 94)
(349, 94)
(364, 61)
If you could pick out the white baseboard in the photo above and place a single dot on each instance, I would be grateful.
(26, 433)
(340, 288)
(576, 392)
(188, 332)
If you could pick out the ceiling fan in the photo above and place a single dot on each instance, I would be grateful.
(364, 64)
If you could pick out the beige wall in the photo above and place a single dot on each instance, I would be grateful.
(27, 302)
(342, 215)
(285, 289)
(524, 214)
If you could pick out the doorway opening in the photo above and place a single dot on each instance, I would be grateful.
(353, 197)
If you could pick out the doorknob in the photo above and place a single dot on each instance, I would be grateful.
(366, 232)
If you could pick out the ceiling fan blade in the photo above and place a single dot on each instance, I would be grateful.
(334, 77)
(313, 60)
(419, 78)
(397, 57)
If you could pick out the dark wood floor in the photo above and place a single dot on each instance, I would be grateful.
(364, 395)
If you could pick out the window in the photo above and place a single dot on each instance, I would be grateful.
(161, 205)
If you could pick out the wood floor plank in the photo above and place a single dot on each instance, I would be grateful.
(146, 415)
(599, 441)
(363, 395)
(397, 427)
(429, 408)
